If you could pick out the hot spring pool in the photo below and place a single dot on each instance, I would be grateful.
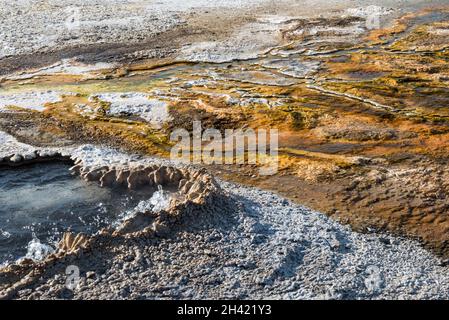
(39, 203)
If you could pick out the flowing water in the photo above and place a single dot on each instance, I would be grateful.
(40, 202)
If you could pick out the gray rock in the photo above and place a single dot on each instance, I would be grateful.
(30, 156)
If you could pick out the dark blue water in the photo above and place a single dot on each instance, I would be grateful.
(45, 200)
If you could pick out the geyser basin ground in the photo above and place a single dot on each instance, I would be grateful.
(362, 113)
(364, 138)
(47, 200)
(238, 243)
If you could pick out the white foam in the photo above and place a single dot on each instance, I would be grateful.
(38, 251)
(160, 200)
(5, 234)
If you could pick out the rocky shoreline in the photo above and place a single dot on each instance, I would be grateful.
(362, 115)
(227, 241)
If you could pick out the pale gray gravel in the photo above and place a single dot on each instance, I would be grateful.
(33, 25)
(46, 26)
